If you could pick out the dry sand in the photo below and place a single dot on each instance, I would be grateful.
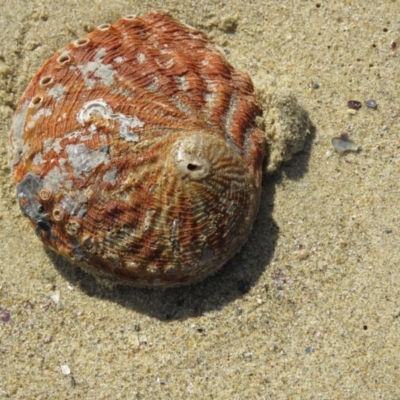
(309, 309)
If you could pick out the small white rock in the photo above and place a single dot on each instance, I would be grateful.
(65, 370)
(342, 145)
(56, 296)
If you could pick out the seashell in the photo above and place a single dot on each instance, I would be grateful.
(136, 156)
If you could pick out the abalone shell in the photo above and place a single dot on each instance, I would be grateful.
(135, 153)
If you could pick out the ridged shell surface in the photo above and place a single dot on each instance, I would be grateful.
(135, 153)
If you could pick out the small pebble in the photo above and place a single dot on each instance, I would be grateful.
(4, 315)
(354, 104)
(65, 370)
(303, 254)
(309, 349)
(48, 339)
(342, 144)
(393, 44)
(56, 296)
(351, 111)
(371, 104)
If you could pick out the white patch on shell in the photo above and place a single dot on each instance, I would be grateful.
(63, 116)
(181, 107)
(68, 185)
(43, 112)
(96, 68)
(140, 57)
(100, 107)
(54, 179)
(83, 159)
(210, 95)
(57, 91)
(50, 144)
(175, 228)
(74, 206)
(17, 132)
(110, 176)
(125, 124)
(119, 60)
(153, 86)
(182, 82)
(38, 159)
(92, 129)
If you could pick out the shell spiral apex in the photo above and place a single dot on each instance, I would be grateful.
(135, 153)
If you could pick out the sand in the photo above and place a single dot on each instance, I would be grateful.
(309, 309)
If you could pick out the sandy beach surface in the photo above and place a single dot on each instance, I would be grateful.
(310, 308)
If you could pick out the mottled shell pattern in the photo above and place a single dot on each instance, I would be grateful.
(135, 153)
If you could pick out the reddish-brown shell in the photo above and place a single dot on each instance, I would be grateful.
(135, 153)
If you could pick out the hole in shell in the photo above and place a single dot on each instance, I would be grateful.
(73, 228)
(36, 101)
(81, 42)
(46, 80)
(103, 27)
(130, 17)
(192, 167)
(63, 59)
(88, 243)
(45, 194)
(58, 213)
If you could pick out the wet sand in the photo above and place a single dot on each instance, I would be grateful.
(309, 309)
